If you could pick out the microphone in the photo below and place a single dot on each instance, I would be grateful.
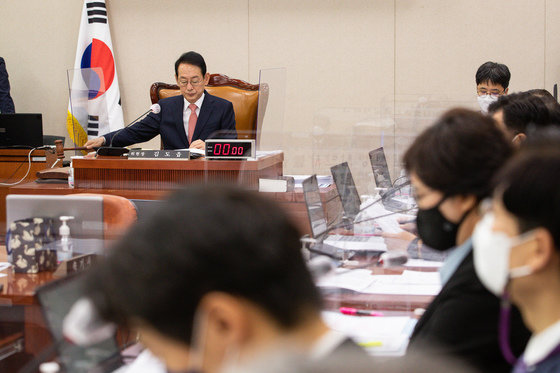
(155, 108)
(320, 266)
(84, 326)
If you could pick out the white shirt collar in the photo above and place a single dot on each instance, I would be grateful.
(327, 344)
(542, 344)
(198, 103)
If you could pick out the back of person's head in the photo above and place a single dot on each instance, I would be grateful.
(202, 240)
(191, 58)
(550, 102)
(459, 154)
(493, 72)
(529, 184)
(524, 111)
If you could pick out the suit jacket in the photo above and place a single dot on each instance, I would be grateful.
(6, 102)
(216, 114)
(462, 322)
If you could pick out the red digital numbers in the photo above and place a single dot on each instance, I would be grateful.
(227, 149)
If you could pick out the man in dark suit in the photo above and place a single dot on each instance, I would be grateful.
(6, 102)
(184, 121)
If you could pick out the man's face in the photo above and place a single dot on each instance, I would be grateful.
(489, 88)
(191, 82)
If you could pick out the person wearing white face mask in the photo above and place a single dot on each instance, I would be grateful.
(492, 81)
(451, 165)
(517, 252)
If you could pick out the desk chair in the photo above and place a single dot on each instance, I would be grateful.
(50, 139)
(243, 96)
(119, 214)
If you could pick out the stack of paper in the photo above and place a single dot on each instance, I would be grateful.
(387, 336)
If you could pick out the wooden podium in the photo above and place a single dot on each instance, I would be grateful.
(164, 175)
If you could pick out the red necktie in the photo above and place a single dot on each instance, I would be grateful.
(192, 121)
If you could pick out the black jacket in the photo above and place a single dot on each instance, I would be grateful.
(462, 322)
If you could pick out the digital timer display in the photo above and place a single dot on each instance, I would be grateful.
(230, 149)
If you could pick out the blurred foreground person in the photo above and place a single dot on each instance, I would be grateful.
(212, 279)
(517, 250)
(451, 167)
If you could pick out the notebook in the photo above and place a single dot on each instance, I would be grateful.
(380, 168)
(21, 130)
(319, 226)
(56, 299)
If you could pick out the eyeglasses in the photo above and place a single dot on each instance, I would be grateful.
(194, 82)
(493, 93)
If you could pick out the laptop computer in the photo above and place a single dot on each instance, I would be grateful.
(319, 226)
(56, 299)
(21, 130)
(383, 181)
(351, 199)
(380, 168)
(347, 191)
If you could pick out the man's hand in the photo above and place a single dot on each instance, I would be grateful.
(197, 144)
(95, 143)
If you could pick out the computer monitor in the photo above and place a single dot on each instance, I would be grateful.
(347, 191)
(21, 130)
(86, 210)
(56, 299)
(380, 168)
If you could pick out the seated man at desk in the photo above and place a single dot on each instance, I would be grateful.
(186, 120)
(215, 274)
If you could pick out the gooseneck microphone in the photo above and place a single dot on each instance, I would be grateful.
(109, 150)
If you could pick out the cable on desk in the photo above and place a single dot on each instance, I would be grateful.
(28, 168)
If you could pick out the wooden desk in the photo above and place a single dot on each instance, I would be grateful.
(165, 175)
(13, 167)
(21, 318)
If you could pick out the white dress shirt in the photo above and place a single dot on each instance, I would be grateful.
(542, 344)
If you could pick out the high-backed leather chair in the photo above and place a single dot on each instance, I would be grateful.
(243, 96)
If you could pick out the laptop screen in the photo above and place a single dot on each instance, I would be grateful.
(314, 206)
(380, 168)
(25, 130)
(347, 191)
(56, 299)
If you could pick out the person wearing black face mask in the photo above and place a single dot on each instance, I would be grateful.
(451, 165)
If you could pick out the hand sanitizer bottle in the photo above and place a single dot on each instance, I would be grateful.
(66, 246)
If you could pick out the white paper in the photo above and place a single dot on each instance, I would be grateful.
(390, 333)
(4, 266)
(354, 279)
(421, 263)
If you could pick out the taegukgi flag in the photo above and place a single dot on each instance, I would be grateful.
(95, 101)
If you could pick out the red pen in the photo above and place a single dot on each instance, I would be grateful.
(357, 312)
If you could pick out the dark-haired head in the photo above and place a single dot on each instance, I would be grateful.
(459, 154)
(528, 185)
(191, 58)
(206, 239)
(494, 73)
(521, 114)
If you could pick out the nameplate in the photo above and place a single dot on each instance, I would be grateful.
(179, 155)
(75, 265)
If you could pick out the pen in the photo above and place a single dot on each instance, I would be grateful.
(357, 312)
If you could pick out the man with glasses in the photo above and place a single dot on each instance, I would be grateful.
(185, 121)
(492, 81)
